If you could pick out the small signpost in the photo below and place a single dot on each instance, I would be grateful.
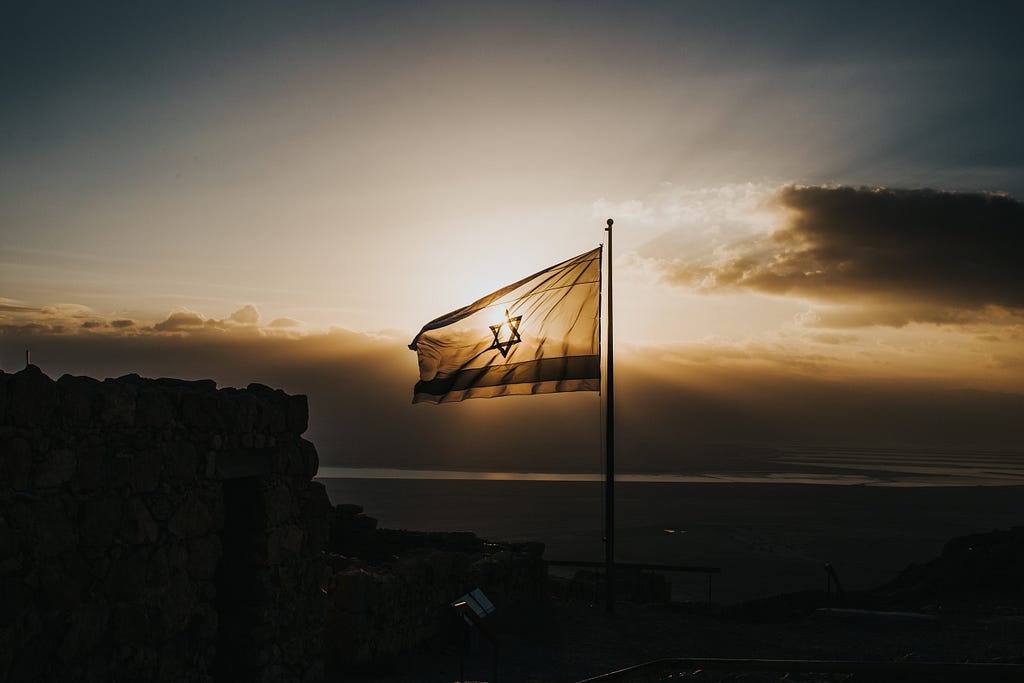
(476, 601)
(474, 607)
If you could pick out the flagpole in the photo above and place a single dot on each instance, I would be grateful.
(609, 447)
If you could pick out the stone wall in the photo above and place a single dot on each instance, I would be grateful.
(390, 591)
(157, 530)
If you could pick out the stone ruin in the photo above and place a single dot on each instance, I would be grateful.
(389, 591)
(158, 530)
(167, 530)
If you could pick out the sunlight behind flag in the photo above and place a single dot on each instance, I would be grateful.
(535, 336)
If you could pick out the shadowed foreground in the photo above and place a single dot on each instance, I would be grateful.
(966, 605)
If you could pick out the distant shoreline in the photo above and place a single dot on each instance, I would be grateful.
(906, 477)
(768, 539)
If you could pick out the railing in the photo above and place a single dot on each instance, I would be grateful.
(709, 571)
(903, 671)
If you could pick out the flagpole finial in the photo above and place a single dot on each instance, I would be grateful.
(610, 221)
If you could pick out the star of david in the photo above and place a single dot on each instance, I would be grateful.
(513, 334)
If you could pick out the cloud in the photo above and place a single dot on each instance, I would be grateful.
(67, 311)
(16, 316)
(246, 315)
(12, 305)
(181, 320)
(827, 338)
(885, 256)
(74, 319)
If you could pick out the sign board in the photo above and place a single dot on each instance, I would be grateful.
(478, 602)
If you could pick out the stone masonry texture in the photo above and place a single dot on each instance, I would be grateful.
(159, 530)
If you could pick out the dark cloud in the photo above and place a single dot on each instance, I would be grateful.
(122, 324)
(869, 312)
(895, 255)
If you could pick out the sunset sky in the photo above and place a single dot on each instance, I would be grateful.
(819, 228)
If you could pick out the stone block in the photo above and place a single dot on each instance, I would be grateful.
(17, 463)
(316, 502)
(201, 411)
(4, 404)
(129, 624)
(352, 591)
(92, 469)
(192, 519)
(33, 397)
(15, 599)
(316, 516)
(59, 589)
(280, 504)
(284, 542)
(53, 531)
(310, 461)
(181, 462)
(117, 403)
(78, 399)
(158, 571)
(186, 385)
(144, 469)
(204, 555)
(274, 417)
(137, 524)
(126, 578)
(235, 464)
(99, 519)
(204, 623)
(314, 672)
(298, 414)
(8, 546)
(154, 408)
(177, 604)
(162, 505)
(243, 410)
(32, 658)
(57, 467)
(215, 503)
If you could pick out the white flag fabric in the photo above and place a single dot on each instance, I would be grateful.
(536, 336)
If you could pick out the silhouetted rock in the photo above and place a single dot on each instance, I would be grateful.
(985, 570)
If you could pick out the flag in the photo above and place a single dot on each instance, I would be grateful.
(535, 336)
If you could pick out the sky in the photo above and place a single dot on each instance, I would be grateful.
(817, 211)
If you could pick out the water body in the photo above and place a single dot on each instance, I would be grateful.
(823, 466)
(868, 513)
